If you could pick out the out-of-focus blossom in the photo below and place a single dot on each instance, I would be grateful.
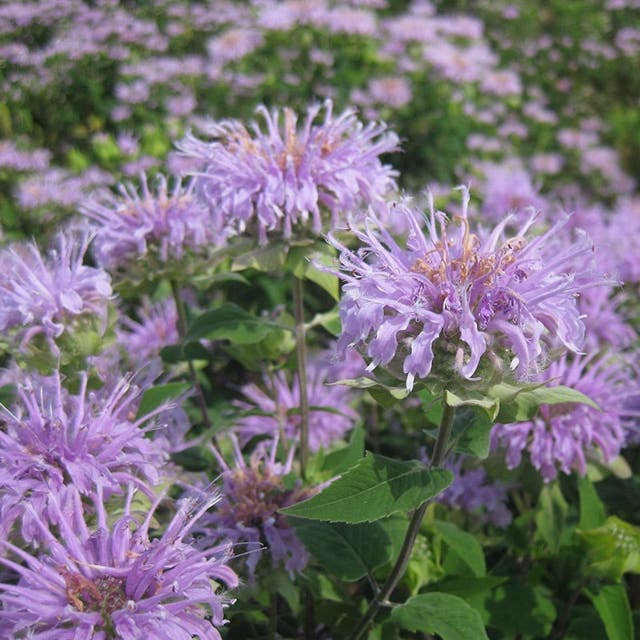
(156, 328)
(507, 188)
(163, 226)
(563, 436)
(116, 581)
(234, 44)
(248, 513)
(392, 91)
(451, 297)
(473, 492)
(285, 177)
(42, 296)
(13, 158)
(278, 402)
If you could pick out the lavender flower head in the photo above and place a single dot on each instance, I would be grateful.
(252, 495)
(44, 296)
(53, 440)
(286, 177)
(563, 436)
(330, 416)
(115, 582)
(448, 299)
(163, 225)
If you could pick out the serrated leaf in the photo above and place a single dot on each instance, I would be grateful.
(348, 551)
(340, 460)
(465, 545)
(230, 322)
(518, 404)
(442, 613)
(375, 488)
(612, 605)
(472, 432)
(158, 395)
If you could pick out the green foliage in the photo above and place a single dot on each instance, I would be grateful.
(375, 488)
(612, 605)
(612, 549)
(442, 613)
(349, 551)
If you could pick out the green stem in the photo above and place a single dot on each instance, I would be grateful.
(301, 352)
(398, 570)
(182, 332)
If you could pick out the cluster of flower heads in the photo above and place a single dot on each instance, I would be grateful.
(287, 176)
(566, 436)
(450, 296)
(115, 581)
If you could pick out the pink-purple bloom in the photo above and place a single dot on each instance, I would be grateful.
(565, 436)
(451, 299)
(46, 295)
(283, 177)
(161, 225)
(116, 581)
(54, 440)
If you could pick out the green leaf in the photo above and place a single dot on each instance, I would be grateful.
(348, 551)
(339, 461)
(375, 488)
(612, 549)
(490, 405)
(158, 395)
(551, 516)
(467, 587)
(518, 404)
(330, 320)
(448, 616)
(301, 261)
(383, 394)
(518, 609)
(472, 432)
(230, 322)
(592, 514)
(612, 605)
(270, 258)
(465, 545)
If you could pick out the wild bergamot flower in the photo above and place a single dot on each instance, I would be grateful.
(451, 299)
(284, 177)
(116, 582)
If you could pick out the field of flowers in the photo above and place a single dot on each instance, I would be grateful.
(319, 320)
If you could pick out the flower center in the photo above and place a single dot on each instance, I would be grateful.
(104, 594)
